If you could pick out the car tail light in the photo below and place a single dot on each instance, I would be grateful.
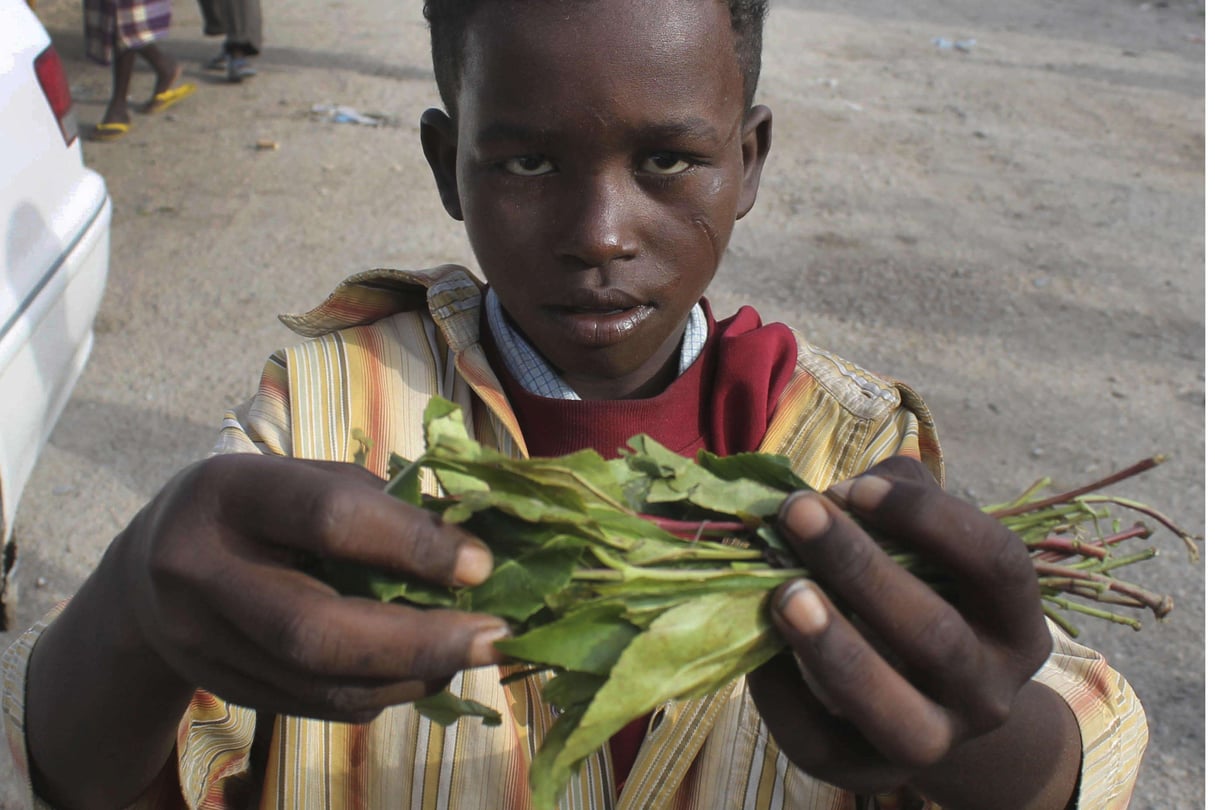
(58, 95)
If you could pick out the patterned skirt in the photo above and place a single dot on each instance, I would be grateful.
(128, 24)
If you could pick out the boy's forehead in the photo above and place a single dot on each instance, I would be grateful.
(602, 42)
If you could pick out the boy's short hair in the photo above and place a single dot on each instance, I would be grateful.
(449, 18)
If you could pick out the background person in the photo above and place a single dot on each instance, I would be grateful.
(116, 32)
(239, 22)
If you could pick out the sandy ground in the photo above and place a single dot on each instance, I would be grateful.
(1011, 221)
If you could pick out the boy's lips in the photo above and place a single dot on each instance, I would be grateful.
(599, 317)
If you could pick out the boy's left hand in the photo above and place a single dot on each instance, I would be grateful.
(890, 684)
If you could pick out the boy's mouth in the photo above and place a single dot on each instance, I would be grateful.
(599, 317)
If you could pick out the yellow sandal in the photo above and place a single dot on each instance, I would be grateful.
(165, 100)
(109, 131)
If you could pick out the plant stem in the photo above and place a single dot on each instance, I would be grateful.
(1190, 540)
(695, 529)
(1065, 547)
(1071, 495)
(1077, 607)
(1160, 605)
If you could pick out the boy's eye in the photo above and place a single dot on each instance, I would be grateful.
(664, 163)
(528, 165)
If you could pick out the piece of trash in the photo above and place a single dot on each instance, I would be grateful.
(852, 105)
(827, 81)
(341, 114)
(963, 45)
(266, 145)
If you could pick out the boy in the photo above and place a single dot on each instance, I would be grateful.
(598, 153)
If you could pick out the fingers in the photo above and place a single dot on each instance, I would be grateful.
(820, 743)
(314, 631)
(901, 609)
(903, 468)
(986, 563)
(970, 656)
(338, 510)
(211, 570)
(855, 682)
(233, 666)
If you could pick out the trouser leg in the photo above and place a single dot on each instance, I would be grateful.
(213, 20)
(243, 22)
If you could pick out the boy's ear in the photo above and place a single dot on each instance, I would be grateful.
(439, 145)
(756, 141)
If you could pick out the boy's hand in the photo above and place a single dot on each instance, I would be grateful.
(889, 684)
(202, 589)
(212, 583)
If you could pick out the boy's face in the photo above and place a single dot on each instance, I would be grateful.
(600, 155)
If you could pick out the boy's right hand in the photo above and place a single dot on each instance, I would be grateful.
(203, 590)
(210, 578)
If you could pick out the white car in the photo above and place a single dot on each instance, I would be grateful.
(54, 258)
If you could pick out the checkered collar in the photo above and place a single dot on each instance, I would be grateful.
(535, 374)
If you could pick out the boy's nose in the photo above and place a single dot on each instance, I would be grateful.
(599, 222)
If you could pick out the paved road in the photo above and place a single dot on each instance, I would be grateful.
(1019, 234)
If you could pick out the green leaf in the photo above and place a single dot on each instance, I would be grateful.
(692, 649)
(764, 468)
(569, 689)
(506, 495)
(546, 777)
(645, 598)
(679, 479)
(585, 640)
(406, 479)
(518, 587)
(443, 421)
(445, 708)
(356, 579)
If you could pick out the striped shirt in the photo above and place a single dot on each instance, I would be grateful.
(381, 346)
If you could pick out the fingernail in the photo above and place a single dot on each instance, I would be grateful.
(865, 492)
(804, 515)
(474, 563)
(803, 608)
(481, 650)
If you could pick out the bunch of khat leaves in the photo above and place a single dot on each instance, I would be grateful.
(636, 581)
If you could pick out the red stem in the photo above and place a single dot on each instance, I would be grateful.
(1133, 470)
(693, 529)
(1160, 605)
(1064, 547)
(1068, 549)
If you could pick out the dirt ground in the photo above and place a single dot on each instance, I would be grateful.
(1001, 203)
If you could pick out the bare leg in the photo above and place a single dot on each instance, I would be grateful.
(124, 65)
(166, 67)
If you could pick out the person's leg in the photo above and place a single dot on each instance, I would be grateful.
(245, 26)
(168, 90)
(117, 112)
(166, 67)
(214, 26)
(244, 22)
(213, 21)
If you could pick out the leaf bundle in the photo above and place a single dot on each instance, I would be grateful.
(644, 579)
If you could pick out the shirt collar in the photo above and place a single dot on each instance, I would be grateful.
(535, 374)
